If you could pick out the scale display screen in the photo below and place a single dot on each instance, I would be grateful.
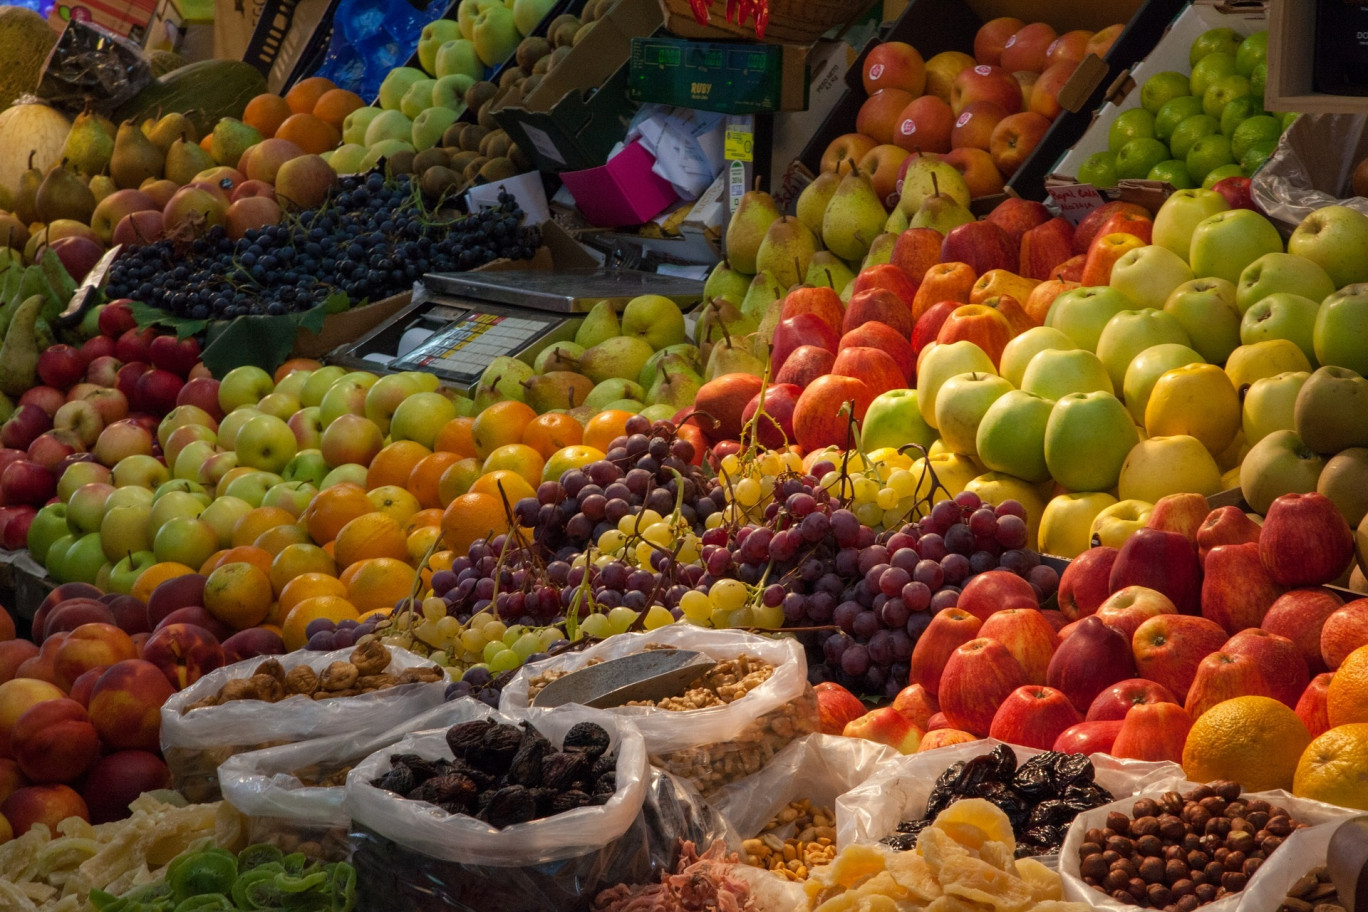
(463, 349)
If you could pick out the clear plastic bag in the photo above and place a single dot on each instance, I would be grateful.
(1310, 168)
(276, 787)
(196, 742)
(414, 856)
(1322, 819)
(92, 65)
(899, 791)
(1298, 855)
(716, 745)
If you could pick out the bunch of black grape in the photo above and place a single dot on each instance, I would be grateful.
(370, 239)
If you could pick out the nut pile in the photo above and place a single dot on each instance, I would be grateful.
(812, 841)
(363, 672)
(507, 774)
(1313, 892)
(726, 682)
(1181, 851)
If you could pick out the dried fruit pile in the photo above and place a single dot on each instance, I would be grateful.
(700, 883)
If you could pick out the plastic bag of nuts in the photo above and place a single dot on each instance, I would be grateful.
(1288, 878)
(1178, 816)
(723, 740)
(195, 741)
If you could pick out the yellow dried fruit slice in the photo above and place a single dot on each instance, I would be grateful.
(937, 847)
(999, 855)
(977, 880)
(972, 821)
(911, 871)
(1044, 883)
(855, 864)
(950, 903)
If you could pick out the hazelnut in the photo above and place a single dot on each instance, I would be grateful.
(1197, 860)
(1110, 857)
(1234, 881)
(1094, 836)
(1145, 826)
(1171, 802)
(1152, 870)
(1215, 805)
(1269, 844)
(1119, 844)
(1234, 861)
(1175, 870)
(1182, 887)
(1258, 806)
(1240, 841)
(1149, 845)
(1279, 825)
(1236, 809)
(1197, 816)
(1250, 866)
(1213, 871)
(1093, 866)
(1145, 807)
(1158, 895)
(1218, 826)
(1089, 848)
(1171, 828)
(1226, 789)
(1118, 823)
(1121, 896)
(1173, 853)
(1257, 819)
(1187, 903)
(1200, 792)
(1115, 880)
(1205, 893)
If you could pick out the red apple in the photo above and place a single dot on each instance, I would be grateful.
(917, 250)
(879, 115)
(1033, 716)
(1015, 138)
(1345, 630)
(725, 398)
(1305, 540)
(996, 590)
(1224, 676)
(886, 339)
(1100, 43)
(1168, 649)
(948, 630)
(1165, 561)
(203, 393)
(139, 228)
(26, 482)
(135, 345)
(1311, 706)
(1129, 607)
(917, 703)
(1237, 192)
(1070, 46)
(1088, 227)
(977, 168)
(889, 277)
(1299, 615)
(983, 245)
(823, 414)
(879, 305)
(974, 125)
(175, 355)
(1277, 657)
(873, 367)
(60, 366)
(1086, 582)
(978, 677)
(1088, 738)
(1141, 226)
(116, 318)
(980, 324)
(837, 707)
(1045, 92)
(985, 83)
(993, 36)
(1153, 731)
(104, 370)
(886, 726)
(1044, 247)
(1028, 47)
(1017, 216)
(944, 737)
(806, 364)
(796, 331)
(1026, 634)
(924, 125)
(929, 324)
(1092, 658)
(894, 65)
(814, 299)
(775, 430)
(78, 255)
(1225, 526)
(1237, 590)
(843, 152)
(1117, 700)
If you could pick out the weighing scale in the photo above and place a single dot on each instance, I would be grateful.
(459, 322)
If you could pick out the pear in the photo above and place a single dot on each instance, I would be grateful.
(624, 405)
(764, 288)
(897, 221)
(676, 383)
(185, 159)
(63, 195)
(918, 185)
(600, 324)
(726, 282)
(773, 316)
(722, 317)
(881, 251)
(812, 202)
(620, 356)
(172, 127)
(611, 390)
(230, 139)
(101, 185)
(690, 353)
(19, 353)
(755, 212)
(135, 159)
(786, 250)
(557, 389)
(828, 269)
(853, 218)
(26, 192)
(736, 355)
(940, 211)
(558, 356)
(506, 375)
(658, 412)
(88, 146)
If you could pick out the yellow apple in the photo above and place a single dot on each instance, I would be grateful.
(1118, 522)
(1195, 399)
(1066, 522)
(1160, 466)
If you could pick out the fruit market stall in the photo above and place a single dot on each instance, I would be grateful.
(646, 454)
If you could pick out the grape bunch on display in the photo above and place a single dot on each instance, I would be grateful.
(370, 239)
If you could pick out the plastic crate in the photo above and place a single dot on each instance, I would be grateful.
(289, 40)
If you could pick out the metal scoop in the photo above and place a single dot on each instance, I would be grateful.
(650, 675)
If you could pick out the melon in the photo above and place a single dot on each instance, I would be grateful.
(25, 41)
(28, 128)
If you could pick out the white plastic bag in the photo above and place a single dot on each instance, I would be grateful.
(265, 785)
(1319, 816)
(196, 742)
(900, 790)
(1310, 168)
(714, 746)
(1298, 855)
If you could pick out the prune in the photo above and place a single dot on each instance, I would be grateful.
(421, 768)
(509, 805)
(1034, 778)
(526, 766)
(496, 749)
(461, 738)
(1071, 769)
(568, 801)
(604, 764)
(398, 780)
(606, 784)
(587, 738)
(561, 770)
(452, 788)
(1051, 812)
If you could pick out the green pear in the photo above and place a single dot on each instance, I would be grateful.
(620, 356)
(184, 160)
(135, 158)
(458, 58)
(690, 353)
(764, 288)
(557, 389)
(787, 250)
(26, 192)
(918, 183)
(418, 99)
(558, 356)
(737, 355)
(611, 390)
(720, 318)
(625, 405)
(897, 222)
(449, 91)
(170, 128)
(853, 218)
(599, 324)
(676, 383)
(726, 282)
(880, 252)
(774, 315)
(941, 211)
(828, 269)
(506, 375)
(101, 185)
(658, 412)
(812, 202)
(229, 140)
(396, 83)
(63, 195)
(755, 212)
(88, 145)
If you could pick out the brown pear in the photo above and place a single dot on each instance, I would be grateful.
(135, 158)
(63, 195)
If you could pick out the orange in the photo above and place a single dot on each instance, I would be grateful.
(457, 479)
(296, 364)
(154, 576)
(1334, 767)
(394, 464)
(1255, 741)
(239, 594)
(441, 560)
(427, 475)
(249, 528)
(420, 540)
(422, 519)
(1347, 699)
(548, 433)
(320, 606)
(332, 508)
(600, 430)
(334, 105)
(304, 95)
(471, 517)
(370, 535)
(571, 457)
(274, 540)
(394, 501)
(500, 423)
(380, 582)
(297, 560)
(513, 486)
(517, 457)
(206, 140)
(307, 586)
(312, 135)
(244, 553)
(455, 437)
(266, 112)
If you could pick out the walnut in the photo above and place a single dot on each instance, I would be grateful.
(301, 680)
(236, 689)
(266, 687)
(376, 682)
(273, 668)
(339, 676)
(370, 658)
(425, 674)
(202, 704)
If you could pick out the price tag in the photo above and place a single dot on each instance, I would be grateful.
(1075, 200)
(739, 144)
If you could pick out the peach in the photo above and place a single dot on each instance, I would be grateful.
(45, 804)
(88, 646)
(11, 777)
(14, 653)
(54, 741)
(7, 631)
(125, 704)
(250, 643)
(177, 592)
(16, 697)
(140, 639)
(43, 666)
(82, 686)
(118, 778)
(130, 614)
(56, 597)
(72, 613)
(184, 653)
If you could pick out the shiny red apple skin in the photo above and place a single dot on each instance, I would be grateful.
(1113, 703)
(1033, 716)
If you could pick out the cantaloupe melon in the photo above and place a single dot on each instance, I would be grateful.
(30, 127)
(25, 40)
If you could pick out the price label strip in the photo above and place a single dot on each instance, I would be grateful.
(463, 349)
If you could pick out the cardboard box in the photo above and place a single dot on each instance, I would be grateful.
(1291, 55)
(625, 191)
(527, 189)
(129, 18)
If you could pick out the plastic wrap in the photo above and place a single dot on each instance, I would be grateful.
(1298, 855)
(1310, 168)
(195, 743)
(1322, 819)
(92, 65)
(717, 745)
(414, 856)
(265, 785)
(898, 792)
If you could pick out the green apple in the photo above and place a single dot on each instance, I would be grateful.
(1098, 169)
(1251, 52)
(1011, 435)
(86, 507)
(1223, 91)
(48, 525)
(1148, 275)
(1054, 373)
(655, 318)
(222, 515)
(1087, 440)
(395, 84)
(267, 443)
(125, 529)
(1132, 331)
(960, 404)
(1340, 335)
(1275, 272)
(418, 98)
(449, 92)
(232, 423)
(1146, 368)
(84, 559)
(430, 124)
(467, 10)
(171, 506)
(139, 469)
(458, 58)
(1225, 243)
(1206, 309)
(1263, 128)
(1135, 159)
(528, 14)
(1335, 237)
(185, 540)
(1179, 216)
(1136, 123)
(389, 124)
(1269, 405)
(1021, 349)
(191, 456)
(245, 385)
(291, 496)
(307, 465)
(346, 473)
(941, 362)
(893, 420)
(1239, 110)
(1173, 113)
(130, 495)
(1209, 69)
(1278, 464)
(1066, 523)
(494, 35)
(1207, 154)
(1345, 482)
(77, 474)
(1162, 88)
(1173, 172)
(355, 124)
(183, 486)
(1080, 313)
(1186, 134)
(252, 486)
(128, 568)
(433, 36)
(55, 558)
(1281, 315)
